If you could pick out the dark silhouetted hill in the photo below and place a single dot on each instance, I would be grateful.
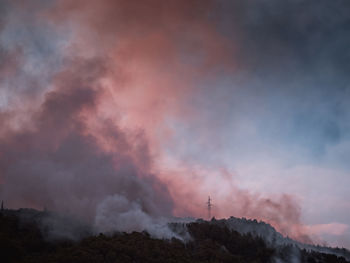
(27, 235)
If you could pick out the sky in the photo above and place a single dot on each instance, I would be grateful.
(148, 107)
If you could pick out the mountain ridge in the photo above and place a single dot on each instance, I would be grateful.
(29, 235)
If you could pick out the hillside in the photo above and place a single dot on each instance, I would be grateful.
(274, 238)
(27, 235)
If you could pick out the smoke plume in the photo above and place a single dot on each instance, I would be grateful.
(124, 113)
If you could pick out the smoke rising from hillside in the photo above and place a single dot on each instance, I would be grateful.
(122, 109)
(57, 162)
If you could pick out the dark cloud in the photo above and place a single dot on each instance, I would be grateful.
(289, 34)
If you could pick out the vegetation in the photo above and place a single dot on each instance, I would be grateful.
(25, 241)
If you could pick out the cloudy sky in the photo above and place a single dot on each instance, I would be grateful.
(162, 103)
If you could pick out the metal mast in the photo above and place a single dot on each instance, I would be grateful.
(209, 207)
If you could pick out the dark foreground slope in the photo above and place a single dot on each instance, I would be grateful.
(274, 239)
(24, 238)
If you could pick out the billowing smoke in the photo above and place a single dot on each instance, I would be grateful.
(124, 113)
(81, 145)
(57, 163)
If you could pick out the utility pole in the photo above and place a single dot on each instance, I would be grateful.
(209, 204)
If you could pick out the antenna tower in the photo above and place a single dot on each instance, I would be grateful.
(209, 204)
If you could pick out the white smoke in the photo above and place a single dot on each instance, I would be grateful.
(117, 213)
